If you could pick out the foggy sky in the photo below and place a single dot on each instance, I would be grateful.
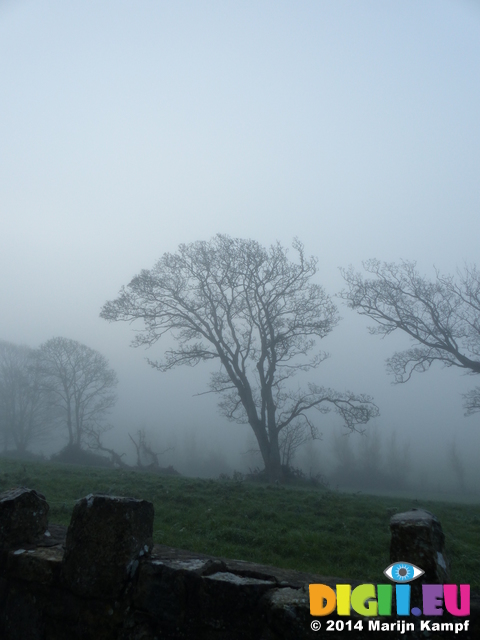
(127, 128)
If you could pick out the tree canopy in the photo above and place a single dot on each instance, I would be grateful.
(81, 384)
(442, 317)
(257, 314)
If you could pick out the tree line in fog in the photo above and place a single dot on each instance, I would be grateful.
(61, 385)
(259, 315)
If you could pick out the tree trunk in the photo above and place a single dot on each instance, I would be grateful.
(270, 453)
(273, 466)
(69, 423)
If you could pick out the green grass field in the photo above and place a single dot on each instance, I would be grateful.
(307, 529)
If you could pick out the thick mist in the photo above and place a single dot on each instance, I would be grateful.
(127, 130)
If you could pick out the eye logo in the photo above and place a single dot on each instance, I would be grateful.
(403, 572)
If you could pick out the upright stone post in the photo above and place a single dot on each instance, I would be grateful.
(417, 538)
(23, 516)
(106, 539)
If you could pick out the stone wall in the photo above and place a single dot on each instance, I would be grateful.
(104, 579)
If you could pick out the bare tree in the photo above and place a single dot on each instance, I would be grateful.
(25, 413)
(442, 317)
(95, 443)
(254, 312)
(146, 456)
(81, 383)
(292, 438)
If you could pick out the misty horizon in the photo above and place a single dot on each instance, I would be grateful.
(128, 131)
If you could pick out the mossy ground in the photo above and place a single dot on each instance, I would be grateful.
(307, 529)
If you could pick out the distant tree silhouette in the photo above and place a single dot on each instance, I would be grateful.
(442, 317)
(25, 411)
(81, 385)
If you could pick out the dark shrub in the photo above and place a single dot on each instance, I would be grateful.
(72, 454)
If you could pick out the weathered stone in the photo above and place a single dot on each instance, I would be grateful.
(23, 617)
(175, 594)
(417, 538)
(106, 539)
(287, 612)
(23, 516)
(232, 602)
(41, 565)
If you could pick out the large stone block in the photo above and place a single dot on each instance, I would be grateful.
(106, 539)
(23, 516)
(417, 537)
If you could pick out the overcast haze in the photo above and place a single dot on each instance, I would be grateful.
(127, 128)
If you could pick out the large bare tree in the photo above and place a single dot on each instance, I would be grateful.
(258, 315)
(442, 317)
(81, 383)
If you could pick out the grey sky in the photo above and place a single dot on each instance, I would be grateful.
(127, 128)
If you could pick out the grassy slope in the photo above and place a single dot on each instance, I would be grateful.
(315, 530)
